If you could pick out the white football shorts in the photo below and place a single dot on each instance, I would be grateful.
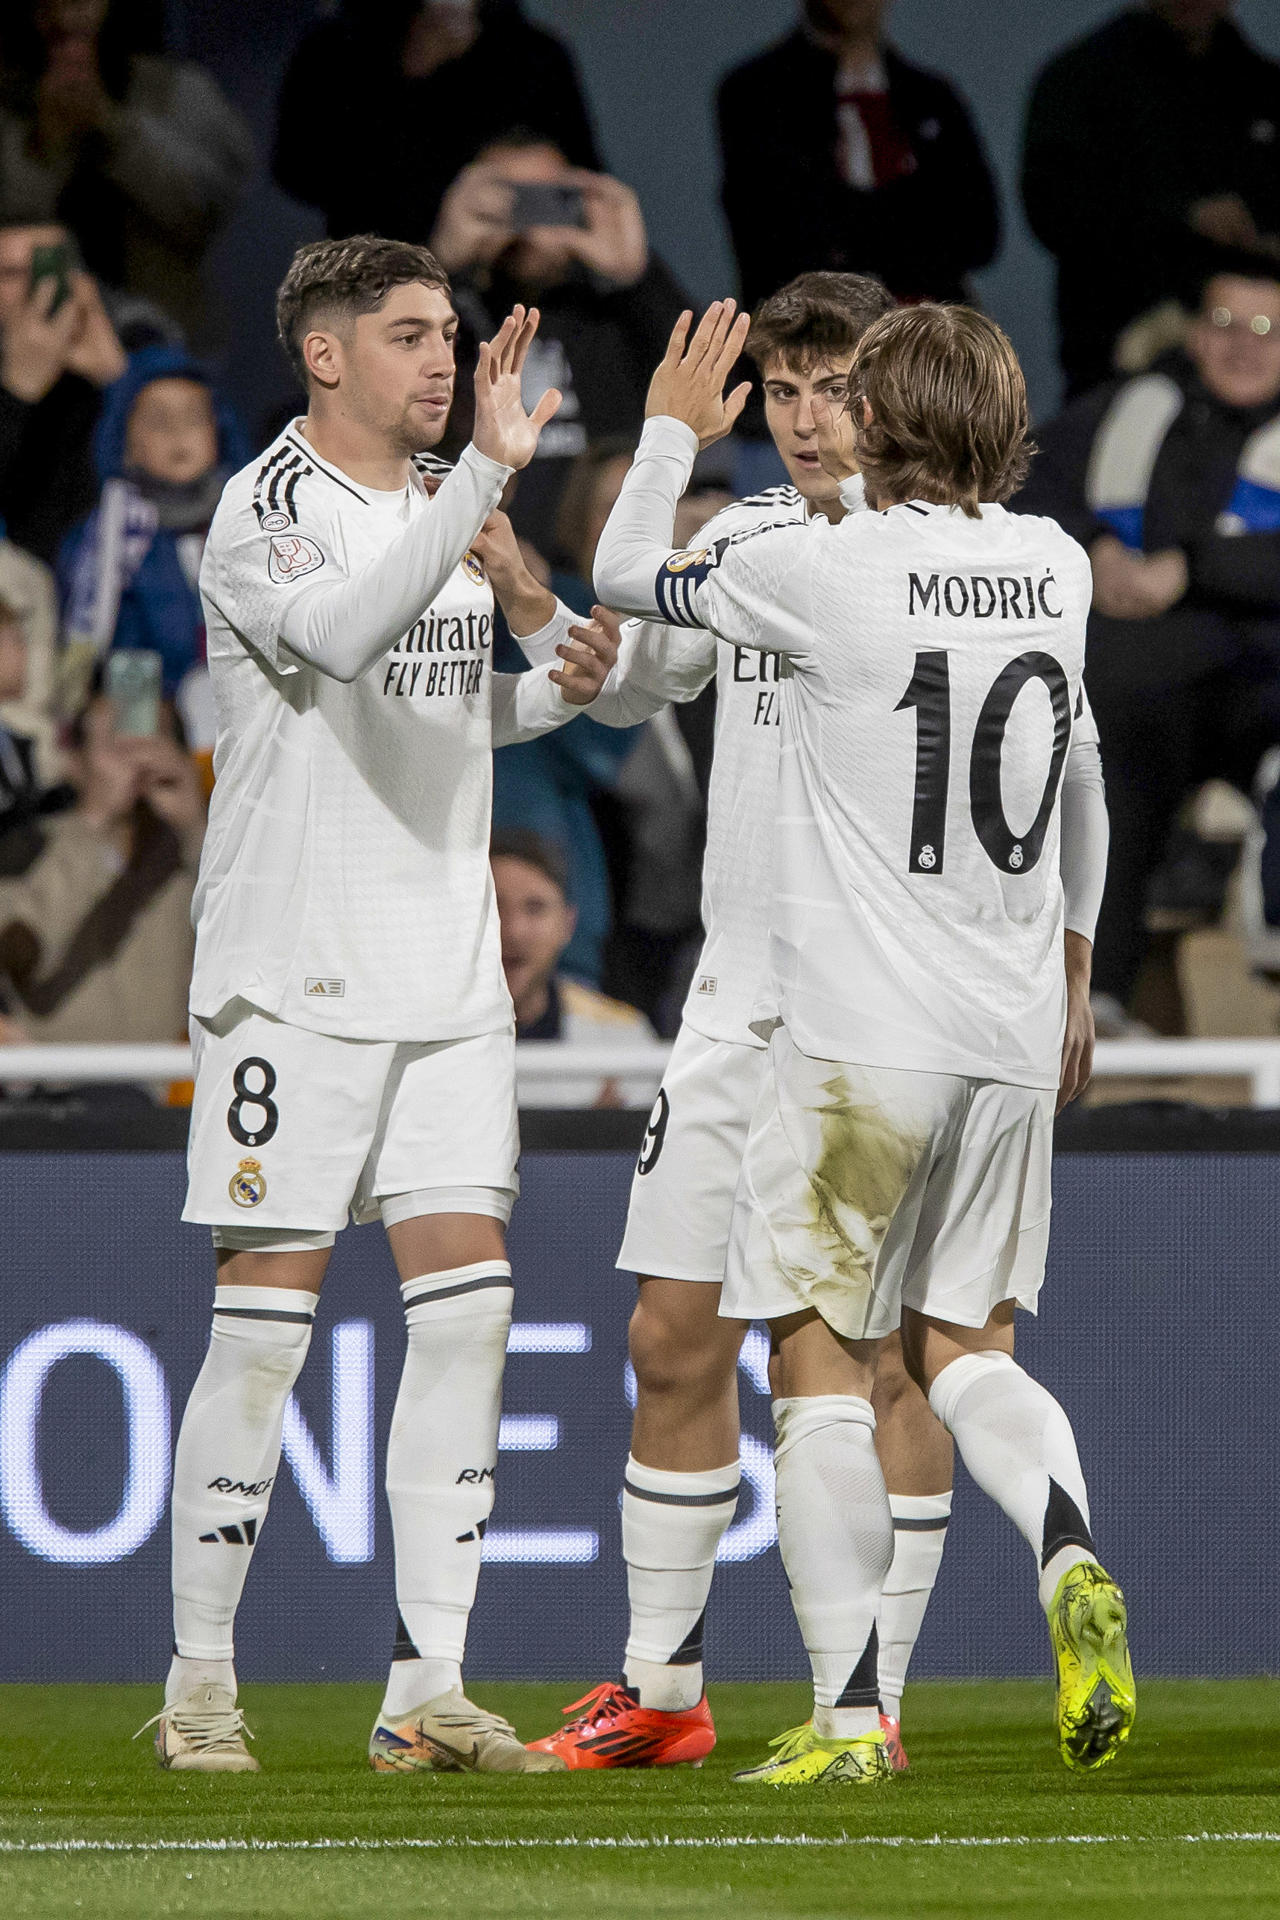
(687, 1174)
(867, 1189)
(293, 1129)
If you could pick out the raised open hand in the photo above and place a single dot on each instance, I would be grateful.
(688, 383)
(503, 430)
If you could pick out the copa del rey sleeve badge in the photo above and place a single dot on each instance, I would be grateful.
(290, 556)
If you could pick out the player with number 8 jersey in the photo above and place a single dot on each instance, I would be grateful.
(926, 996)
(353, 1036)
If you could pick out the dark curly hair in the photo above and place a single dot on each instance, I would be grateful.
(815, 317)
(334, 281)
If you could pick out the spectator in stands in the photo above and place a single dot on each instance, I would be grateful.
(95, 936)
(607, 303)
(164, 448)
(381, 106)
(140, 156)
(55, 359)
(27, 587)
(839, 153)
(1152, 152)
(549, 785)
(19, 781)
(1171, 480)
(530, 880)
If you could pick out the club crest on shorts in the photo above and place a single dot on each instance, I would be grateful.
(473, 567)
(248, 1185)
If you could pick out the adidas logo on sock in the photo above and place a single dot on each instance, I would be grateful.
(243, 1536)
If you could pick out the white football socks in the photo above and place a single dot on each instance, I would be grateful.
(672, 1525)
(226, 1462)
(835, 1533)
(1017, 1443)
(919, 1535)
(441, 1460)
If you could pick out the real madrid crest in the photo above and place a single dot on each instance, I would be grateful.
(248, 1185)
(473, 567)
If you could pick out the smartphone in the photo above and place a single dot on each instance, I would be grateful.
(541, 203)
(133, 688)
(56, 263)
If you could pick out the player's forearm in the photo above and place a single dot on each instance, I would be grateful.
(343, 629)
(1086, 835)
(637, 536)
(527, 705)
(538, 643)
(656, 666)
(529, 607)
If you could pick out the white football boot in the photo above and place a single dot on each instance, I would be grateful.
(453, 1735)
(202, 1733)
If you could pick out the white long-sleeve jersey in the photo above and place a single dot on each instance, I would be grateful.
(345, 880)
(934, 674)
(658, 664)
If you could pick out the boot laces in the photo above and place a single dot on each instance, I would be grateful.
(606, 1702)
(207, 1729)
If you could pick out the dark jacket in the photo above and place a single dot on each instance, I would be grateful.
(376, 152)
(1125, 130)
(47, 481)
(790, 210)
(1231, 611)
(598, 345)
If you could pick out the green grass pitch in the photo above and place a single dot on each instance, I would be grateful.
(988, 1822)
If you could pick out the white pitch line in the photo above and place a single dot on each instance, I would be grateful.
(626, 1842)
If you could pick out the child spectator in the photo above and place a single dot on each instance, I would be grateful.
(164, 447)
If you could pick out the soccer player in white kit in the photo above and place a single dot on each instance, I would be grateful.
(353, 1036)
(681, 1482)
(680, 1485)
(928, 1006)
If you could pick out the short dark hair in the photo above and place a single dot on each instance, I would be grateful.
(814, 317)
(337, 280)
(520, 843)
(948, 407)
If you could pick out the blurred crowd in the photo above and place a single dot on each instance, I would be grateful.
(1151, 175)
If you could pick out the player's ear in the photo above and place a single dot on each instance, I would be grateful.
(322, 357)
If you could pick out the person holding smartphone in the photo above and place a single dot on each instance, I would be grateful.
(58, 351)
(522, 223)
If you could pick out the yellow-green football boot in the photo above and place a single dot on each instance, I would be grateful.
(1097, 1699)
(805, 1760)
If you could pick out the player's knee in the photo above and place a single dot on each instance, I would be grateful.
(674, 1354)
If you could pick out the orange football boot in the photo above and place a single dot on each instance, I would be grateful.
(614, 1730)
(892, 1731)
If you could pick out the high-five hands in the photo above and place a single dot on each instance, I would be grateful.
(689, 381)
(833, 440)
(503, 430)
(589, 655)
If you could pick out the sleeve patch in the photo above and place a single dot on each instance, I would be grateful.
(679, 577)
(291, 556)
